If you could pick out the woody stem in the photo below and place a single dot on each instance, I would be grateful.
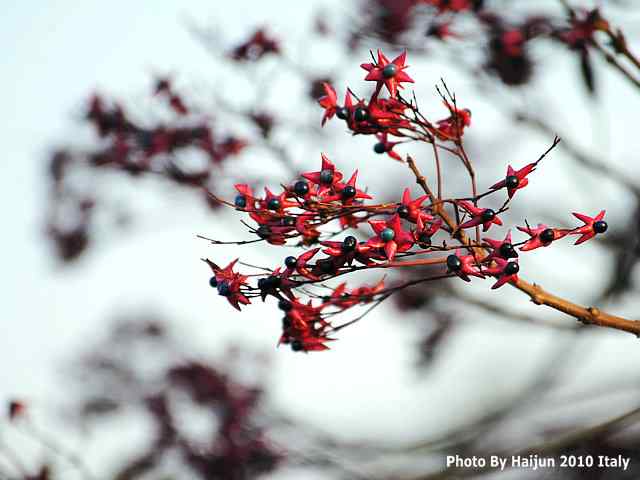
(539, 296)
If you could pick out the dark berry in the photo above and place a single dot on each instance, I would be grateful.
(296, 345)
(269, 283)
(286, 323)
(213, 282)
(349, 244)
(291, 262)
(600, 226)
(547, 236)
(264, 231)
(273, 204)
(288, 221)
(389, 70)
(511, 182)
(511, 268)
(507, 250)
(379, 147)
(240, 201)
(424, 239)
(285, 305)
(403, 211)
(325, 265)
(453, 263)
(488, 215)
(224, 289)
(360, 114)
(387, 235)
(326, 176)
(342, 113)
(349, 192)
(301, 188)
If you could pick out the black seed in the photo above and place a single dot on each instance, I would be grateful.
(273, 204)
(288, 221)
(389, 70)
(224, 289)
(349, 192)
(360, 114)
(600, 226)
(403, 211)
(342, 113)
(290, 262)
(326, 176)
(379, 147)
(296, 345)
(488, 215)
(285, 305)
(507, 251)
(264, 231)
(286, 322)
(301, 188)
(511, 268)
(349, 244)
(213, 282)
(547, 236)
(511, 182)
(453, 263)
(240, 201)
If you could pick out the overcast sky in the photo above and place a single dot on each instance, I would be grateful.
(54, 55)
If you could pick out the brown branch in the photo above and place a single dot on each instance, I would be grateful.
(586, 315)
(539, 296)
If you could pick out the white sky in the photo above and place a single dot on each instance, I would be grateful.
(55, 53)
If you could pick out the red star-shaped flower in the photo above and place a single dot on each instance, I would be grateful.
(326, 178)
(328, 102)
(515, 179)
(413, 207)
(484, 216)
(304, 328)
(424, 231)
(246, 193)
(345, 252)
(385, 146)
(541, 236)
(301, 265)
(464, 265)
(390, 74)
(228, 283)
(501, 248)
(453, 126)
(504, 270)
(591, 227)
(347, 193)
(276, 203)
(345, 299)
(390, 236)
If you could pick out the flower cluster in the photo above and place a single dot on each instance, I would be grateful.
(504, 41)
(259, 44)
(427, 230)
(138, 149)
